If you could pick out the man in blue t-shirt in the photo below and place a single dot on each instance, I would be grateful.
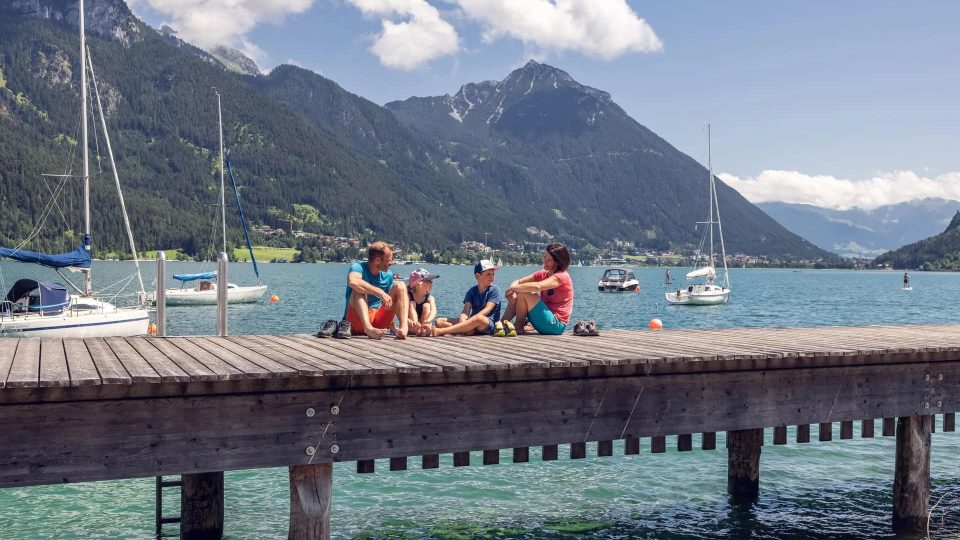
(481, 305)
(373, 299)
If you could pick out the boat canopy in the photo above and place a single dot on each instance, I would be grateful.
(194, 277)
(48, 298)
(707, 272)
(78, 258)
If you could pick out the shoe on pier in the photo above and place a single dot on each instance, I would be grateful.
(343, 330)
(327, 329)
(498, 330)
(509, 329)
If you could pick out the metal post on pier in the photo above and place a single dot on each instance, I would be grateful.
(161, 295)
(222, 294)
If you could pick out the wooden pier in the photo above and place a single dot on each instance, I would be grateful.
(98, 409)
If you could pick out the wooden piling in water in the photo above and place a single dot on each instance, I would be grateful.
(911, 477)
(201, 506)
(311, 487)
(743, 463)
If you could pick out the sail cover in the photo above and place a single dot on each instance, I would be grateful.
(707, 272)
(194, 277)
(78, 258)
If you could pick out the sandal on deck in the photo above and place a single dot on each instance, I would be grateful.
(509, 330)
(592, 329)
(580, 329)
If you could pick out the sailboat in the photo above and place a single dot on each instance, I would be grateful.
(205, 290)
(708, 291)
(45, 309)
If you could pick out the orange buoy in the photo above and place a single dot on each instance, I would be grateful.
(152, 329)
(274, 298)
(656, 324)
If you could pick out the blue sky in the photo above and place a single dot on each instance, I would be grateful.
(831, 103)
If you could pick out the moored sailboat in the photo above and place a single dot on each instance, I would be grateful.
(205, 291)
(44, 309)
(708, 291)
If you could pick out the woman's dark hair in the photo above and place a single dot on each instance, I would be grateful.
(558, 252)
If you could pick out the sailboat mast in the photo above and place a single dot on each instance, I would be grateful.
(710, 169)
(87, 278)
(223, 200)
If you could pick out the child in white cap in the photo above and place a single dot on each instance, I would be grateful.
(481, 305)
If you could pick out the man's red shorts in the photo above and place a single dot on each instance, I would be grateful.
(380, 318)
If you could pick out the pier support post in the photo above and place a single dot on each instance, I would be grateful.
(310, 490)
(201, 506)
(911, 477)
(743, 463)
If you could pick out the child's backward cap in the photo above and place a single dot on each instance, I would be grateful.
(418, 275)
(484, 265)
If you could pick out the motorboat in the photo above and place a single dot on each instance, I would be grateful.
(618, 280)
(204, 293)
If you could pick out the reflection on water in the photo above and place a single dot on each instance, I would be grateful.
(838, 490)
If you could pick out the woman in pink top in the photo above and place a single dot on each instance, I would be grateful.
(545, 297)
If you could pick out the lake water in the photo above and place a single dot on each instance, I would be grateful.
(839, 489)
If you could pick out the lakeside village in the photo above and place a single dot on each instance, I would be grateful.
(284, 243)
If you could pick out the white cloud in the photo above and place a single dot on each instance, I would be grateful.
(413, 32)
(600, 28)
(207, 23)
(842, 194)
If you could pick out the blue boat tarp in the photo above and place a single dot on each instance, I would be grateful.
(78, 258)
(194, 277)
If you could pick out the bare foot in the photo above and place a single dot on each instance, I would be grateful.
(373, 333)
(400, 333)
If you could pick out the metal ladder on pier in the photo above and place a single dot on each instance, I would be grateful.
(161, 520)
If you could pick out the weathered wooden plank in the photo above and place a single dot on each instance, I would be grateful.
(83, 371)
(521, 454)
(803, 433)
(165, 366)
(353, 351)
(550, 452)
(365, 466)
(866, 428)
(176, 350)
(53, 364)
(949, 422)
(398, 463)
(658, 444)
(780, 435)
(8, 347)
(743, 463)
(276, 369)
(846, 429)
(311, 490)
(911, 478)
(423, 361)
(327, 357)
(139, 369)
(684, 442)
(826, 431)
(430, 461)
(201, 506)
(491, 457)
(578, 450)
(220, 362)
(25, 370)
(461, 459)
(604, 448)
(889, 427)
(631, 446)
(109, 367)
(709, 441)
(305, 367)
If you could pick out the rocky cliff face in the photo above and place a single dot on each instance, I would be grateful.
(111, 19)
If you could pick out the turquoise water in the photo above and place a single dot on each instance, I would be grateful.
(839, 489)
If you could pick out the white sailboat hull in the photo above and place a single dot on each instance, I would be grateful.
(194, 297)
(701, 295)
(105, 320)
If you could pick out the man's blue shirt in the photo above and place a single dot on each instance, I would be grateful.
(381, 280)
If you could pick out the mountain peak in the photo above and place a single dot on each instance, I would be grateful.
(235, 60)
(488, 100)
(954, 223)
(111, 19)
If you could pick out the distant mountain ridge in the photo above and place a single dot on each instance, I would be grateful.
(939, 252)
(577, 166)
(531, 157)
(864, 233)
